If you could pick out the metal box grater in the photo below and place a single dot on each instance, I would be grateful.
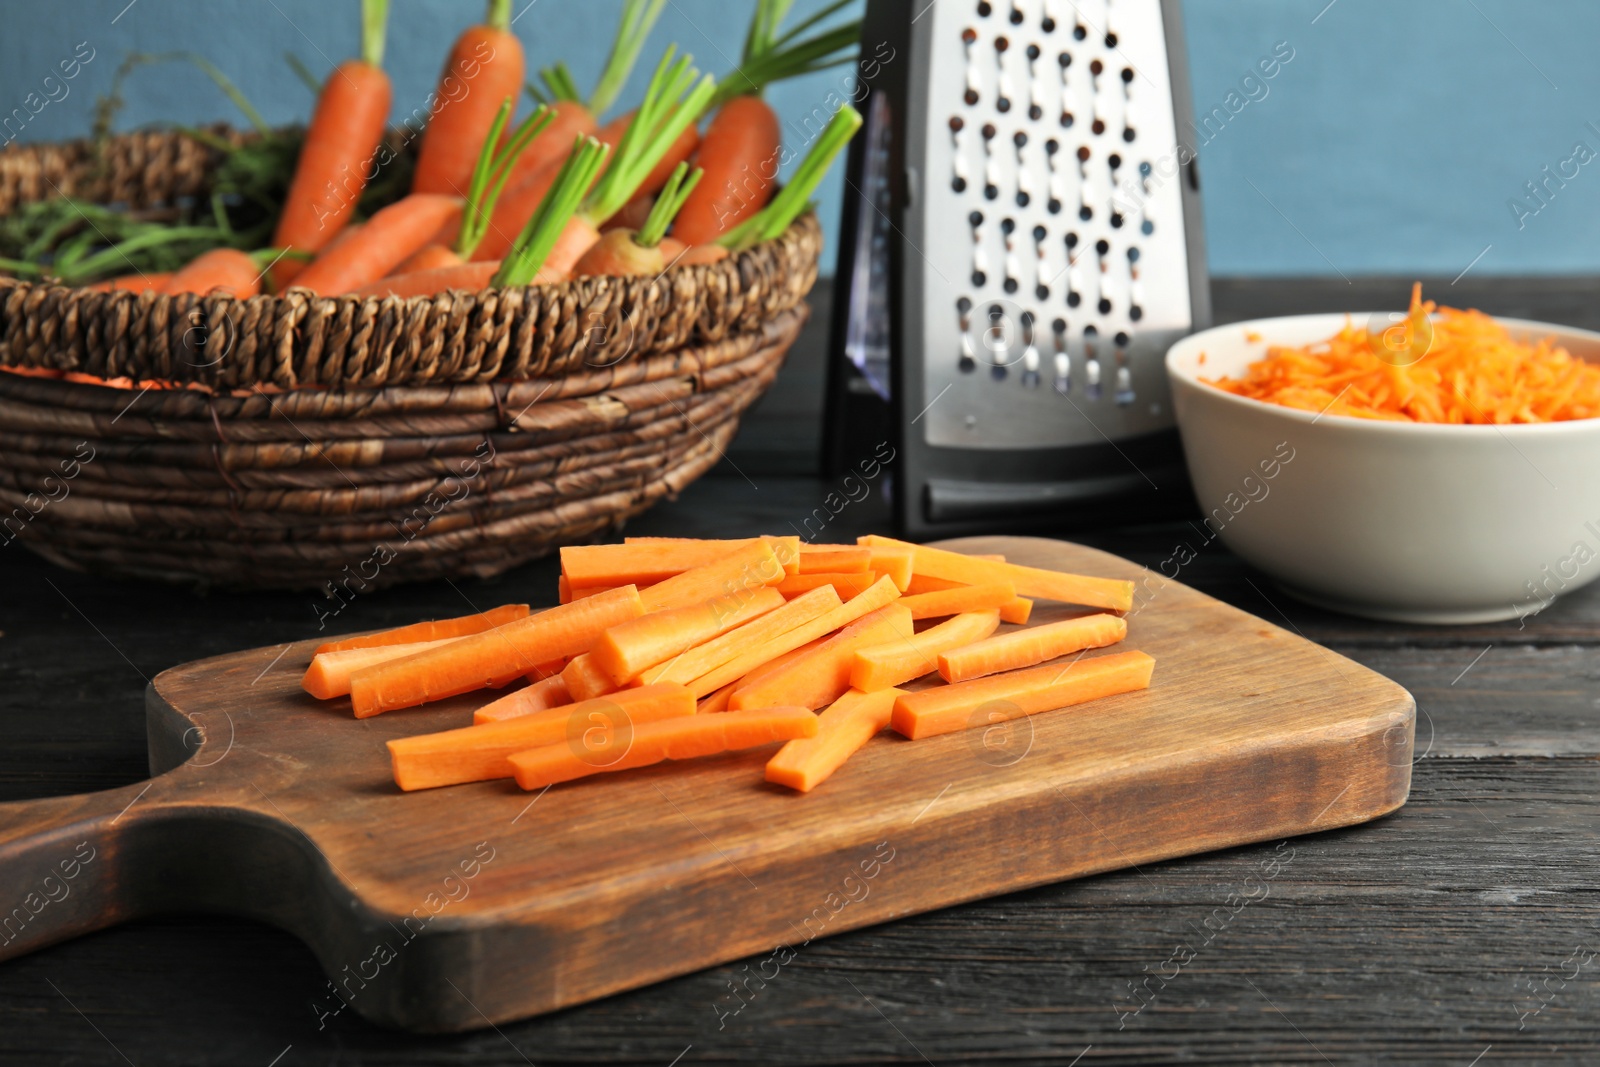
(1021, 242)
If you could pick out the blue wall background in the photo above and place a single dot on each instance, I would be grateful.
(1391, 143)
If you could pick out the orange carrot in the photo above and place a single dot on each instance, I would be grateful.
(542, 695)
(484, 67)
(476, 661)
(433, 630)
(740, 573)
(132, 283)
(478, 752)
(787, 547)
(341, 144)
(745, 662)
(898, 662)
(818, 679)
(776, 664)
(570, 119)
(679, 152)
(847, 724)
(384, 242)
(632, 215)
(960, 598)
(1113, 594)
(329, 674)
(739, 154)
(225, 270)
(848, 585)
(895, 562)
(692, 255)
(640, 564)
(718, 701)
(820, 559)
(1017, 609)
(665, 739)
(541, 671)
(1024, 648)
(469, 276)
(627, 649)
(985, 701)
(585, 680)
(708, 656)
(429, 257)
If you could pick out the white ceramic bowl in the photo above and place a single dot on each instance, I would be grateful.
(1399, 521)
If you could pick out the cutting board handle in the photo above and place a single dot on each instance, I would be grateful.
(66, 864)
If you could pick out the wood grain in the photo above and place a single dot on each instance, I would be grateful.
(284, 811)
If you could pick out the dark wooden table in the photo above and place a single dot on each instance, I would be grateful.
(1461, 930)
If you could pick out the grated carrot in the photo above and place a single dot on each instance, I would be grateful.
(1473, 372)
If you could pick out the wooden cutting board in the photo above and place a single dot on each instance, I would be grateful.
(453, 908)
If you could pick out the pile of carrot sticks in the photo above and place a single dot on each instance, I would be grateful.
(669, 649)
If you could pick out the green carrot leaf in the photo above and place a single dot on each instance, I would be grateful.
(791, 200)
(534, 244)
(668, 203)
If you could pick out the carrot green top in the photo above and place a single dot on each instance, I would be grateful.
(374, 23)
(791, 200)
(491, 172)
(638, 18)
(771, 56)
(539, 236)
(668, 202)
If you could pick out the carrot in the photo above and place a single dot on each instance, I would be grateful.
(842, 729)
(776, 664)
(848, 585)
(1024, 648)
(898, 662)
(819, 559)
(478, 752)
(474, 662)
(542, 695)
(895, 562)
(341, 144)
(132, 283)
(227, 270)
(483, 68)
(544, 670)
(1113, 594)
(639, 564)
(787, 547)
(985, 701)
(433, 630)
(570, 119)
(384, 242)
(740, 573)
(633, 215)
(739, 154)
(585, 680)
(708, 656)
(429, 257)
(678, 152)
(666, 739)
(693, 255)
(1018, 610)
(820, 678)
(960, 598)
(470, 276)
(622, 252)
(627, 649)
(745, 662)
(539, 241)
(716, 702)
(329, 674)
(770, 221)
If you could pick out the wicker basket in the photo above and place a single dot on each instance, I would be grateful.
(342, 443)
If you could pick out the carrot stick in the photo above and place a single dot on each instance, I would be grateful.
(1109, 593)
(665, 739)
(873, 599)
(384, 242)
(960, 598)
(846, 725)
(820, 559)
(627, 649)
(433, 630)
(476, 661)
(1024, 648)
(226, 269)
(640, 564)
(847, 585)
(544, 670)
(132, 283)
(429, 257)
(895, 562)
(329, 674)
(776, 664)
(478, 752)
(787, 547)
(542, 695)
(898, 662)
(341, 142)
(818, 679)
(985, 701)
(484, 67)
(740, 573)
(709, 655)
(1018, 609)
(585, 680)
(739, 154)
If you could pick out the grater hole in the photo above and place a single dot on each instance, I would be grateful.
(1096, 67)
(969, 35)
(956, 123)
(990, 192)
(1127, 74)
(970, 96)
(1102, 246)
(958, 184)
(963, 307)
(1065, 60)
(1079, 33)
(1010, 285)
(1054, 206)
(1085, 213)
(1084, 153)
(1002, 104)
(1048, 24)
(1135, 313)
(1128, 135)
(1111, 40)
(1035, 112)
(1113, 161)
(1066, 120)
(1022, 198)
(1074, 299)
(1121, 339)
(1033, 52)
(1133, 255)
(1008, 226)
(1098, 126)
(1016, 16)
(1147, 227)
(1039, 233)
(1001, 44)
(975, 218)
(1116, 221)
(984, 10)
(979, 278)
(1019, 138)
(988, 131)
(1072, 240)
(1041, 291)
(1105, 306)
